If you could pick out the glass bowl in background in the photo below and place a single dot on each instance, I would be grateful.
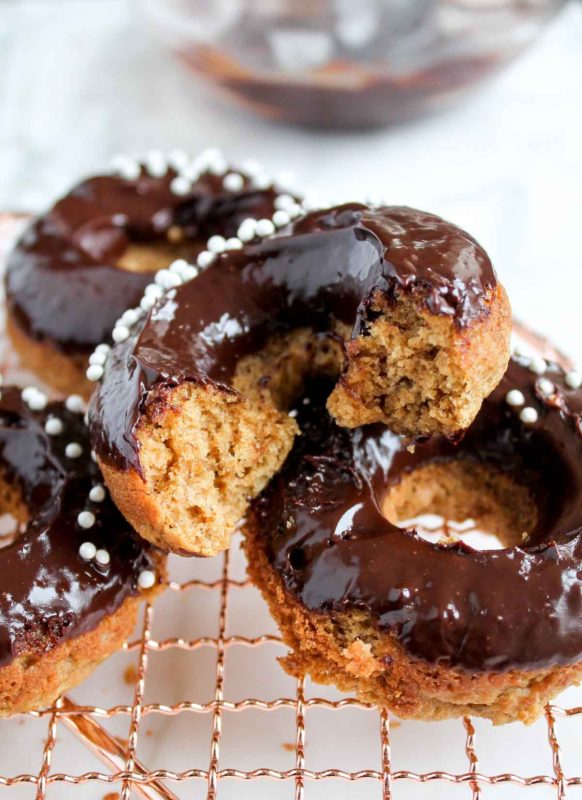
(347, 63)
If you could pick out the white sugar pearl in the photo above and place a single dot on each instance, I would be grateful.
(128, 168)
(251, 167)
(281, 218)
(218, 166)
(205, 259)
(120, 333)
(37, 401)
(284, 202)
(180, 185)
(262, 181)
(216, 244)
(94, 373)
(573, 379)
(97, 493)
(87, 551)
(156, 163)
(191, 172)
(537, 365)
(103, 348)
(178, 158)
(294, 211)
(528, 415)
(265, 227)
(102, 557)
(73, 450)
(86, 519)
(233, 182)
(545, 387)
(53, 426)
(233, 243)
(129, 317)
(514, 398)
(247, 230)
(98, 358)
(286, 180)
(167, 279)
(178, 266)
(153, 290)
(189, 272)
(311, 202)
(75, 404)
(147, 302)
(28, 392)
(146, 579)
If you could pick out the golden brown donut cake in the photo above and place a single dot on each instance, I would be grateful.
(75, 573)
(76, 269)
(433, 629)
(191, 417)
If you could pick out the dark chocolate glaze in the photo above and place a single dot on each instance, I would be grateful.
(62, 282)
(331, 264)
(520, 607)
(49, 593)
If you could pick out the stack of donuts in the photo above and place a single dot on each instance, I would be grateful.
(319, 376)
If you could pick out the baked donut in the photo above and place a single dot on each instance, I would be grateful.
(74, 573)
(77, 268)
(433, 629)
(191, 416)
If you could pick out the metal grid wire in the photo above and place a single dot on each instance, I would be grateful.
(125, 776)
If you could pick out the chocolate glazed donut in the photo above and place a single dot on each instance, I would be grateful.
(433, 630)
(73, 576)
(77, 268)
(190, 419)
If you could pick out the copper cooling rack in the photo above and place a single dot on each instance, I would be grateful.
(125, 774)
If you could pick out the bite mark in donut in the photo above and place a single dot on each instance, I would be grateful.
(74, 573)
(191, 417)
(433, 630)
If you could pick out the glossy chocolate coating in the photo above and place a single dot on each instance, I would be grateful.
(332, 264)
(49, 593)
(62, 283)
(519, 607)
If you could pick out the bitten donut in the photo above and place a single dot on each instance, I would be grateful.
(79, 267)
(433, 630)
(191, 417)
(73, 576)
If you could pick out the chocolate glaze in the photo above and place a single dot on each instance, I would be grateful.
(62, 282)
(49, 593)
(330, 264)
(519, 607)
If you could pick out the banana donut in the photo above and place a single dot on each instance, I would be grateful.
(191, 417)
(77, 268)
(74, 573)
(433, 629)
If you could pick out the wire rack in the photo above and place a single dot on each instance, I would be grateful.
(125, 774)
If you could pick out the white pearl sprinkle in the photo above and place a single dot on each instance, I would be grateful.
(102, 557)
(156, 163)
(218, 166)
(191, 172)
(75, 404)
(167, 279)
(87, 551)
(247, 230)
(147, 302)
(251, 167)
(120, 333)
(294, 211)
(233, 182)
(283, 202)
(129, 317)
(537, 365)
(94, 373)
(189, 272)
(178, 158)
(281, 218)
(153, 290)
(97, 493)
(311, 202)
(573, 379)
(127, 167)
(546, 387)
(233, 243)
(180, 185)
(514, 398)
(73, 450)
(37, 400)
(528, 415)
(103, 348)
(262, 181)
(216, 244)
(86, 519)
(98, 358)
(53, 426)
(265, 227)
(286, 180)
(178, 265)
(146, 579)
(205, 259)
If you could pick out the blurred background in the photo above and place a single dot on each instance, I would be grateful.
(468, 108)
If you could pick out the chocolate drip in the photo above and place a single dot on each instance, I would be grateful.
(518, 607)
(330, 264)
(62, 283)
(49, 593)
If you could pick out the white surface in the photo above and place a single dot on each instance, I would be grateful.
(80, 80)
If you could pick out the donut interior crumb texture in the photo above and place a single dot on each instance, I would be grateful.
(349, 650)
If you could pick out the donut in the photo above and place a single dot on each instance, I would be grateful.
(74, 573)
(433, 629)
(190, 418)
(77, 268)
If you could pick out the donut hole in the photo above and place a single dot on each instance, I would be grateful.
(472, 502)
(153, 256)
(13, 513)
